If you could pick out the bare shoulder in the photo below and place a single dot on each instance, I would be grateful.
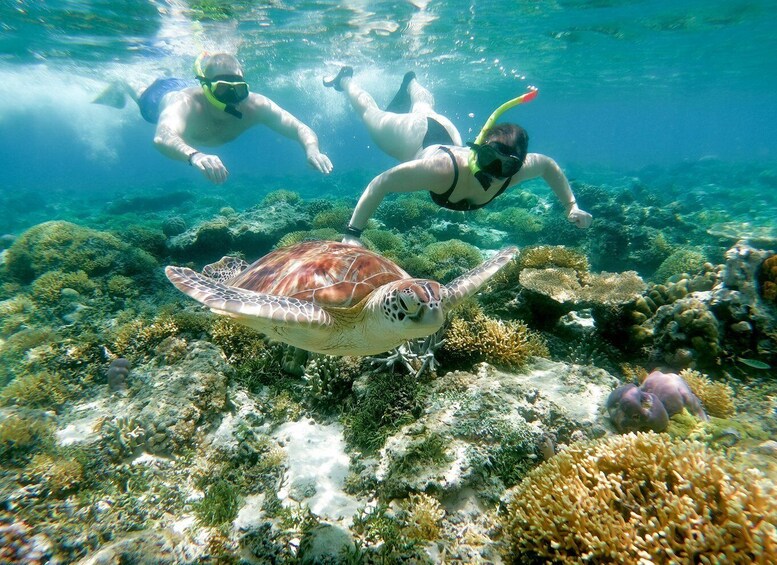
(260, 106)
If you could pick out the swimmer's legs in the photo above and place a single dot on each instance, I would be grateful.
(115, 95)
(401, 103)
(422, 102)
(399, 135)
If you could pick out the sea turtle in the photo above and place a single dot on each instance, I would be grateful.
(329, 297)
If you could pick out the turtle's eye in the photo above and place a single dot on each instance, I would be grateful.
(409, 302)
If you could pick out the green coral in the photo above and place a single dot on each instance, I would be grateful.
(385, 242)
(335, 218)
(219, 505)
(516, 221)
(67, 247)
(295, 237)
(37, 390)
(681, 261)
(287, 196)
(389, 401)
(22, 435)
(47, 288)
(443, 261)
(407, 210)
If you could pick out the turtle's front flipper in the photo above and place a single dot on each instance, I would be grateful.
(468, 283)
(245, 303)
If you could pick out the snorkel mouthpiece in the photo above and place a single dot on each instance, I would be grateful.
(473, 154)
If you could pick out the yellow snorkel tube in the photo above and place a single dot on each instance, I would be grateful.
(200, 76)
(473, 156)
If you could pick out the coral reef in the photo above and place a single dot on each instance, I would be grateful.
(663, 499)
(503, 343)
(67, 247)
(768, 279)
(716, 397)
(649, 406)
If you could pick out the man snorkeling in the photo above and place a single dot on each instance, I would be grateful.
(212, 113)
(434, 159)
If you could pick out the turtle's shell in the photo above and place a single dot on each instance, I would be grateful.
(327, 273)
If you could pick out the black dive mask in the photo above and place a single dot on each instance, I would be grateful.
(228, 89)
(494, 159)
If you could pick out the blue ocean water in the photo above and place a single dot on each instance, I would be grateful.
(622, 84)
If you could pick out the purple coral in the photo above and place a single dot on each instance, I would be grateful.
(649, 406)
(632, 410)
(674, 393)
(117, 374)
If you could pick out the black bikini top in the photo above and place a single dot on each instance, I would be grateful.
(461, 205)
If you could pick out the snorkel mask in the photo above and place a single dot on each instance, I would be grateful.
(222, 91)
(493, 159)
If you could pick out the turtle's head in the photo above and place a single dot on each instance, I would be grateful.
(414, 305)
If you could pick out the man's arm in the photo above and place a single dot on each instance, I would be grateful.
(168, 139)
(283, 122)
(537, 165)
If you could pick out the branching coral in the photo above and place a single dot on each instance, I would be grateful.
(717, 398)
(37, 390)
(663, 500)
(424, 516)
(507, 343)
(58, 475)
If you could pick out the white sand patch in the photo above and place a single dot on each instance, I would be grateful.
(317, 469)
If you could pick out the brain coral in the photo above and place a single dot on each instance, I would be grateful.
(641, 498)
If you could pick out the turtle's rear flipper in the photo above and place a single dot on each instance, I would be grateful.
(400, 104)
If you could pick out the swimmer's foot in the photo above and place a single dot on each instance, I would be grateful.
(114, 96)
(400, 104)
(336, 81)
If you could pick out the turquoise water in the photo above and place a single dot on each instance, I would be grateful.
(662, 114)
(626, 84)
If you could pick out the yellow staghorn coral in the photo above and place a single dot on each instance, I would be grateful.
(717, 398)
(424, 516)
(507, 343)
(641, 498)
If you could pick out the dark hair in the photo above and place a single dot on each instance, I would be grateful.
(512, 136)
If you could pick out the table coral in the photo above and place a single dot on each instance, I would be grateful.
(663, 500)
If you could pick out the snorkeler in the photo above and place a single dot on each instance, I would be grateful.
(434, 159)
(212, 113)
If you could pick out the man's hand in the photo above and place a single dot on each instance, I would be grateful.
(211, 167)
(580, 218)
(351, 240)
(319, 161)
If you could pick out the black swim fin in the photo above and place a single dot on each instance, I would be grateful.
(336, 81)
(400, 104)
